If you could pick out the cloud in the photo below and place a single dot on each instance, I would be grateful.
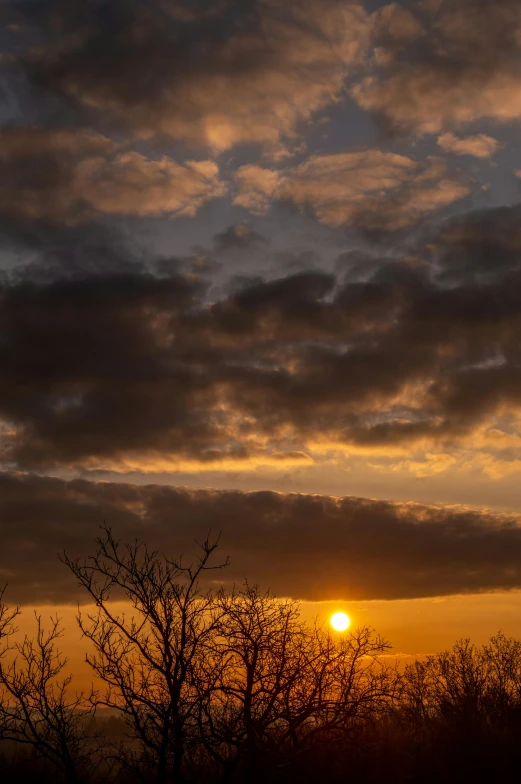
(257, 187)
(457, 62)
(71, 175)
(480, 146)
(373, 189)
(233, 76)
(306, 546)
(113, 366)
(238, 236)
(433, 464)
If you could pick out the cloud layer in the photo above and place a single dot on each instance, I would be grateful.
(310, 547)
(119, 367)
(67, 176)
(479, 146)
(371, 189)
(230, 75)
(126, 108)
(442, 64)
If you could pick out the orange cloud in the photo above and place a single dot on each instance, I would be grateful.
(459, 62)
(65, 175)
(480, 146)
(135, 185)
(256, 188)
(370, 188)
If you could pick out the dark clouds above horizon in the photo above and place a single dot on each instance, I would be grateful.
(238, 236)
(108, 364)
(307, 546)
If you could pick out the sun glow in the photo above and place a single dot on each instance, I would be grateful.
(340, 621)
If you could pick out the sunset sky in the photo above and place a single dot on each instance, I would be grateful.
(261, 273)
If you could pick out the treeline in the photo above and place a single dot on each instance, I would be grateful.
(217, 686)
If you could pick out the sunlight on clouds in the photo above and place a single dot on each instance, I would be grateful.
(257, 187)
(458, 64)
(255, 86)
(133, 185)
(97, 176)
(371, 188)
(432, 464)
(213, 460)
(480, 146)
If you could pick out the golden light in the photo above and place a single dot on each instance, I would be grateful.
(340, 621)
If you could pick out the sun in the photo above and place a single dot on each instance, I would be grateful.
(340, 621)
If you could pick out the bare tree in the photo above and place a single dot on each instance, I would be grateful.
(7, 617)
(502, 657)
(38, 709)
(467, 688)
(150, 658)
(256, 657)
(349, 681)
(282, 685)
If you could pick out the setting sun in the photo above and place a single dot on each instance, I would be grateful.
(340, 621)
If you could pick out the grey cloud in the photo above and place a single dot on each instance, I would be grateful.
(310, 547)
(46, 252)
(444, 64)
(210, 77)
(240, 236)
(112, 365)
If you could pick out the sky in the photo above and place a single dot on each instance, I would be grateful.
(260, 269)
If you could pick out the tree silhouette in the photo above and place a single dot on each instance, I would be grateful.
(150, 658)
(281, 686)
(37, 708)
(257, 657)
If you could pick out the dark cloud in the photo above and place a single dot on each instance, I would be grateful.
(444, 64)
(240, 236)
(212, 75)
(167, 77)
(45, 251)
(310, 547)
(90, 354)
(109, 365)
(480, 247)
